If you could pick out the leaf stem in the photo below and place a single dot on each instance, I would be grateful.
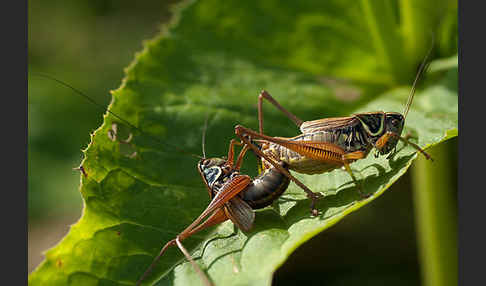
(436, 216)
(418, 24)
(384, 30)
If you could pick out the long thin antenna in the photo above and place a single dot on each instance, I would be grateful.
(422, 68)
(205, 128)
(114, 114)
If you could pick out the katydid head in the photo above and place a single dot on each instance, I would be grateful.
(211, 170)
(378, 124)
(384, 129)
(393, 122)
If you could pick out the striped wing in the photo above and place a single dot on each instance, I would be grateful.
(328, 124)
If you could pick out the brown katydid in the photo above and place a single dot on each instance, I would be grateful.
(233, 196)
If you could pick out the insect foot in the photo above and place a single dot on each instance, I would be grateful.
(314, 197)
(363, 195)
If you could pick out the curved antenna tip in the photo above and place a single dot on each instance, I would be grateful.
(422, 69)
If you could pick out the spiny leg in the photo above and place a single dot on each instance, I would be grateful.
(231, 152)
(218, 216)
(318, 151)
(177, 242)
(310, 194)
(194, 264)
(149, 269)
(267, 96)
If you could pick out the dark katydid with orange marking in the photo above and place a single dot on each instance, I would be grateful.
(329, 143)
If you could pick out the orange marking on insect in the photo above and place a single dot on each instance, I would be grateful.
(354, 155)
(382, 141)
(318, 151)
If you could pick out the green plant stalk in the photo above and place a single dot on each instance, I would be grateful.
(436, 216)
(384, 29)
(419, 21)
(448, 31)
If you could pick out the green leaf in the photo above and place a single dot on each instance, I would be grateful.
(140, 192)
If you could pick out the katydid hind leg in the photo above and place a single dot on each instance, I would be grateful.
(154, 262)
(265, 95)
(314, 196)
(218, 216)
(196, 267)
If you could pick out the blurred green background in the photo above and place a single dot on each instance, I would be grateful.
(87, 44)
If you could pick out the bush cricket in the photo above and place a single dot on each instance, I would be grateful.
(233, 196)
(324, 145)
(330, 143)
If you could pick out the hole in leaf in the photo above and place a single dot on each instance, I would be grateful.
(128, 150)
(120, 132)
(112, 132)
